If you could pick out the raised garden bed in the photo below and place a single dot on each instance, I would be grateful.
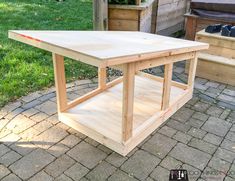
(206, 12)
(218, 62)
(131, 17)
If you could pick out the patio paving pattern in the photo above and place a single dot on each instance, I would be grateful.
(200, 137)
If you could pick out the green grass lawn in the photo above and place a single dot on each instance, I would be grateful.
(25, 69)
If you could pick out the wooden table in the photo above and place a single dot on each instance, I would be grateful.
(122, 113)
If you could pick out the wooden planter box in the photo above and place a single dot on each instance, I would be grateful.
(131, 17)
(218, 62)
(196, 23)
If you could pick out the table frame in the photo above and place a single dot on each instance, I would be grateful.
(129, 71)
(121, 132)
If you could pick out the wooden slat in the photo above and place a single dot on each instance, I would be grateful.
(60, 82)
(216, 40)
(124, 14)
(167, 86)
(163, 60)
(102, 78)
(123, 25)
(170, 23)
(215, 71)
(128, 101)
(216, 59)
(192, 71)
(172, 29)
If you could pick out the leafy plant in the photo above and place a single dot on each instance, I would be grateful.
(130, 2)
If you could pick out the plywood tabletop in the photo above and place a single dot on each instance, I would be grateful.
(108, 46)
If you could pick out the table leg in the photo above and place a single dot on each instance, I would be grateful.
(128, 100)
(60, 82)
(167, 86)
(192, 71)
(102, 77)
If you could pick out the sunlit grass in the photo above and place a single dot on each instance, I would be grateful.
(24, 69)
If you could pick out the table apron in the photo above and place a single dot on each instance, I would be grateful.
(149, 63)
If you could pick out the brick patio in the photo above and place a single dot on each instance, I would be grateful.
(200, 137)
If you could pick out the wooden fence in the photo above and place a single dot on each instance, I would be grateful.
(170, 16)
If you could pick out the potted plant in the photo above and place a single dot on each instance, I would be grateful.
(130, 15)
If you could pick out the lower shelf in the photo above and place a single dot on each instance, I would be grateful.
(101, 116)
